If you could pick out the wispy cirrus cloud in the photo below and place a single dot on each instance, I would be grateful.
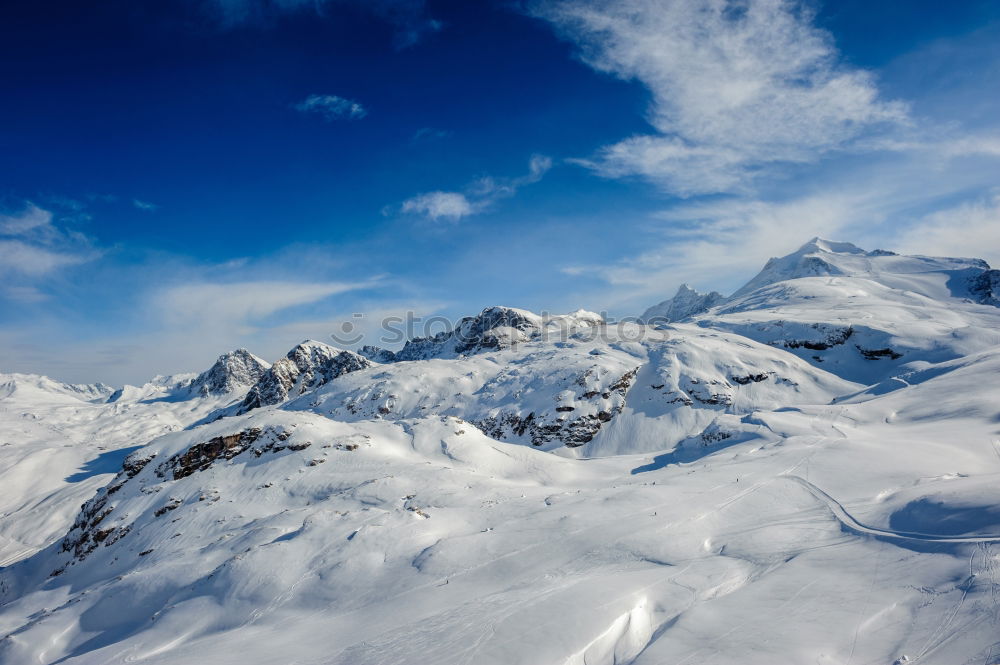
(721, 244)
(737, 87)
(970, 229)
(239, 304)
(32, 246)
(29, 219)
(477, 197)
(331, 107)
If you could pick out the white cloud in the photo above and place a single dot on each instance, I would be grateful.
(538, 166)
(331, 107)
(478, 197)
(23, 294)
(31, 246)
(439, 205)
(145, 205)
(726, 243)
(736, 87)
(32, 261)
(30, 219)
(971, 229)
(239, 305)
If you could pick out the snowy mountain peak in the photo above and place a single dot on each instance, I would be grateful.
(686, 302)
(816, 258)
(495, 328)
(234, 371)
(44, 387)
(307, 366)
(821, 258)
(818, 244)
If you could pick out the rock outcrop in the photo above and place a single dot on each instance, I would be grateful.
(309, 365)
(235, 371)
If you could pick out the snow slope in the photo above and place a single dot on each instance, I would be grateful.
(59, 443)
(608, 494)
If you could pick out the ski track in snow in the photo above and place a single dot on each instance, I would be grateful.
(849, 522)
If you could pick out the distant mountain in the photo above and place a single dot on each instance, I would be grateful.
(859, 314)
(825, 258)
(686, 303)
(44, 387)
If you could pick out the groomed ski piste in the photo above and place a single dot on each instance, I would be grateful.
(807, 471)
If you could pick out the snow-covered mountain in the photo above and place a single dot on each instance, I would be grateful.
(236, 371)
(493, 329)
(864, 316)
(804, 471)
(60, 442)
(684, 304)
(308, 366)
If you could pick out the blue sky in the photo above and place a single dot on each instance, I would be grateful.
(188, 176)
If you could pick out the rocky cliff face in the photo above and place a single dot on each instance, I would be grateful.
(235, 371)
(493, 329)
(985, 287)
(306, 367)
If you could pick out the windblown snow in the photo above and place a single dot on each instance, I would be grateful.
(803, 472)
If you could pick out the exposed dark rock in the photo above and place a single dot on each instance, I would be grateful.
(547, 427)
(493, 329)
(200, 456)
(377, 354)
(233, 371)
(751, 378)
(985, 287)
(84, 536)
(173, 504)
(875, 354)
(833, 339)
(306, 367)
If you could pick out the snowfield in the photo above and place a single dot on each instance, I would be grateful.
(804, 472)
